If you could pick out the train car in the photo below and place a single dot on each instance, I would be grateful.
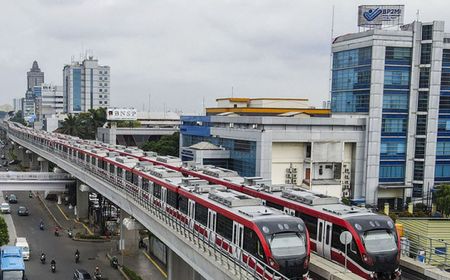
(248, 230)
(325, 221)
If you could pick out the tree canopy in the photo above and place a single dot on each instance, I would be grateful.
(83, 125)
(167, 145)
(18, 117)
(443, 199)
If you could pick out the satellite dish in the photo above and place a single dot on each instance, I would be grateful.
(345, 237)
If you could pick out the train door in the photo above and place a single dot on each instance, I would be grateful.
(323, 242)
(163, 197)
(191, 213)
(212, 225)
(289, 211)
(237, 239)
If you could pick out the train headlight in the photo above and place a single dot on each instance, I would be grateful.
(358, 226)
(367, 259)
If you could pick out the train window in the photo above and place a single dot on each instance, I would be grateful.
(327, 233)
(335, 239)
(252, 243)
(93, 160)
(201, 214)
(172, 198)
(119, 172)
(224, 226)
(128, 176)
(88, 158)
(274, 205)
(157, 191)
(135, 179)
(145, 184)
(111, 168)
(320, 232)
(183, 204)
(310, 222)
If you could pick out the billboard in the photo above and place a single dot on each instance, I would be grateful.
(379, 15)
(121, 114)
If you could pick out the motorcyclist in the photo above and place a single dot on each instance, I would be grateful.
(53, 265)
(43, 257)
(56, 231)
(97, 273)
(41, 224)
(77, 255)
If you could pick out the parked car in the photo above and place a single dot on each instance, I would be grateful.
(12, 198)
(23, 244)
(5, 208)
(22, 211)
(81, 274)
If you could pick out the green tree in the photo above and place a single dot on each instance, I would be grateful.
(168, 145)
(18, 117)
(4, 237)
(70, 125)
(131, 124)
(443, 199)
(84, 125)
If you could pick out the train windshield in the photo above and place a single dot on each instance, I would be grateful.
(379, 241)
(288, 244)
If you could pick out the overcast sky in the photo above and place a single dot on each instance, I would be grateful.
(181, 52)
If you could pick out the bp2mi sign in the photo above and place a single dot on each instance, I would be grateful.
(378, 15)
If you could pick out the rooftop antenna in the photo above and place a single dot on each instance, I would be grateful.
(232, 91)
(203, 105)
(417, 15)
(149, 98)
(331, 56)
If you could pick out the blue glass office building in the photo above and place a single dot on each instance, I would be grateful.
(400, 81)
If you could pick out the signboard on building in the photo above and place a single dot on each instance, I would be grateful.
(121, 114)
(380, 15)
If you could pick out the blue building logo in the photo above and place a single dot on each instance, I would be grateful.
(372, 14)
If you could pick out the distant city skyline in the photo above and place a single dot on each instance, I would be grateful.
(185, 54)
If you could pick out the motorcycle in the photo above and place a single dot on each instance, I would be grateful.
(41, 226)
(77, 258)
(56, 232)
(69, 233)
(97, 276)
(114, 262)
(53, 267)
(43, 259)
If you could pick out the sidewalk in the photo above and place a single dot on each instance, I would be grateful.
(9, 222)
(141, 263)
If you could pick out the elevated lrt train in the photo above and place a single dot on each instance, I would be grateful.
(374, 252)
(240, 224)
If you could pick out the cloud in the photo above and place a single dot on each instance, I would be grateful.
(183, 53)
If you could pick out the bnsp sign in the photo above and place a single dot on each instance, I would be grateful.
(121, 114)
(377, 15)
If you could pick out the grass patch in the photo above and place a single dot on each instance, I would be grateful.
(131, 274)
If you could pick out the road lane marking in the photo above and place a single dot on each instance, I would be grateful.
(62, 212)
(156, 264)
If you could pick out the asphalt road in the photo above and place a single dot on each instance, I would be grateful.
(61, 249)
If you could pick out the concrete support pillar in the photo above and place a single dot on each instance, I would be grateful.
(43, 164)
(34, 163)
(178, 269)
(129, 234)
(26, 161)
(82, 211)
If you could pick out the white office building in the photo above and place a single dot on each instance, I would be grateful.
(86, 86)
(50, 101)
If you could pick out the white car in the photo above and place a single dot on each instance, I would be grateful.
(5, 208)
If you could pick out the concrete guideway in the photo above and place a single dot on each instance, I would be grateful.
(183, 243)
(426, 271)
(34, 181)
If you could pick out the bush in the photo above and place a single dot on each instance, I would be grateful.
(420, 214)
(4, 237)
(420, 207)
(87, 236)
(131, 274)
(405, 214)
(393, 216)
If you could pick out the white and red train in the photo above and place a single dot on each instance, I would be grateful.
(247, 229)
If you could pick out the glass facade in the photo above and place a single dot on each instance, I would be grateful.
(392, 172)
(76, 100)
(351, 80)
(442, 169)
(393, 148)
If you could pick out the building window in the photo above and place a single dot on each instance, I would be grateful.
(425, 54)
(442, 171)
(427, 32)
(392, 171)
(100, 78)
(421, 125)
(100, 84)
(418, 170)
(106, 90)
(443, 148)
(420, 148)
(397, 77)
(100, 72)
(417, 190)
(350, 101)
(350, 58)
(395, 101)
(444, 103)
(424, 79)
(106, 102)
(105, 78)
(106, 84)
(398, 55)
(445, 79)
(100, 102)
(444, 124)
(392, 148)
(446, 57)
(106, 72)
(100, 90)
(422, 102)
(393, 125)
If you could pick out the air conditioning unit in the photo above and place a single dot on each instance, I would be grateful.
(294, 170)
(288, 175)
(288, 181)
(345, 193)
(294, 175)
(347, 177)
(294, 181)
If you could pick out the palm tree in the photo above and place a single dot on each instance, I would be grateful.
(70, 125)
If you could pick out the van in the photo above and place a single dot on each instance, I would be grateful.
(23, 244)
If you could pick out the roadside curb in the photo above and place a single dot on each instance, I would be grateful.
(108, 256)
(91, 240)
(50, 212)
